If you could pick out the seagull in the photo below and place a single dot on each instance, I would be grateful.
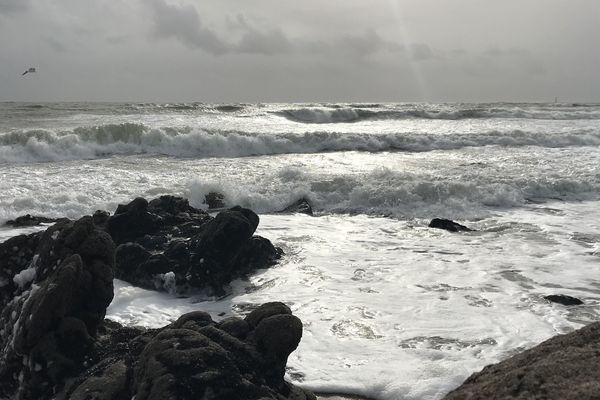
(30, 70)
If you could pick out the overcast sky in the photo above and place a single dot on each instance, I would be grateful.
(311, 50)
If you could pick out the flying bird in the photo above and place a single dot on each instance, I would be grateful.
(30, 70)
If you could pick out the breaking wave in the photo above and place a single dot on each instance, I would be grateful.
(356, 113)
(392, 193)
(128, 139)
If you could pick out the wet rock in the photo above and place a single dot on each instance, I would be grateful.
(16, 255)
(29, 220)
(214, 200)
(59, 302)
(201, 252)
(564, 367)
(564, 299)
(276, 337)
(100, 218)
(57, 345)
(448, 225)
(302, 206)
(194, 358)
(225, 249)
(267, 310)
(132, 221)
(235, 326)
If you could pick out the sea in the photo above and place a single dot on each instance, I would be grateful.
(392, 309)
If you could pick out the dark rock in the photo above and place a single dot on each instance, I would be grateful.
(101, 217)
(190, 249)
(57, 345)
(30, 220)
(58, 304)
(194, 320)
(276, 337)
(564, 299)
(267, 310)
(564, 367)
(110, 384)
(129, 257)
(235, 326)
(302, 206)
(448, 225)
(132, 221)
(170, 205)
(216, 252)
(214, 200)
(16, 255)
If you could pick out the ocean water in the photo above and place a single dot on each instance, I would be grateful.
(391, 308)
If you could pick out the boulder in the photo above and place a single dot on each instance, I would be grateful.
(564, 367)
(225, 249)
(132, 221)
(448, 225)
(563, 299)
(16, 255)
(59, 302)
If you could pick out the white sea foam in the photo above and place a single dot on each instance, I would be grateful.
(397, 311)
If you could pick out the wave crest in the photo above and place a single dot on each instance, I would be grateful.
(130, 139)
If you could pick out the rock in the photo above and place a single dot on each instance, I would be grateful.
(57, 307)
(235, 326)
(193, 358)
(276, 337)
(448, 225)
(564, 299)
(29, 220)
(16, 255)
(302, 206)
(100, 218)
(265, 311)
(225, 249)
(110, 384)
(57, 345)
(564, 367)
(170, 205)
(214, 200)
(132, 221)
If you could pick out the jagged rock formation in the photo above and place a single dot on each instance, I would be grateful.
(56, 286)
(168, 245)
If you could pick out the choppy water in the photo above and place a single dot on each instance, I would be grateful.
(392, 309)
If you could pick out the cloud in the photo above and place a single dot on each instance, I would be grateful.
(13, 6)
(421, 52)
(182, 22)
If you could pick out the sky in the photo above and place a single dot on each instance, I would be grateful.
(300, 51)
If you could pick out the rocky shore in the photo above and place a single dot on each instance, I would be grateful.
(55, 342)
(55, 287)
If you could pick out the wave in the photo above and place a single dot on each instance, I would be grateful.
(385, 192)
(356, 113)
(129, 139)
